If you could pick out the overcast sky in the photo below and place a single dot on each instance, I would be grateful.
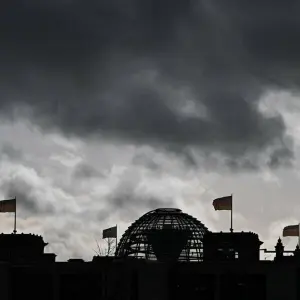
(109, 110)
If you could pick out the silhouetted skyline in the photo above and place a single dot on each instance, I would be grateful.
(165, 254)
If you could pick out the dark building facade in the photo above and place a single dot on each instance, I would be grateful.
(128, 279)
(227, 266)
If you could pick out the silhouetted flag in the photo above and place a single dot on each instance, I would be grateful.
(223, 203)
(8, 206)
(291, 230)
(110, 232)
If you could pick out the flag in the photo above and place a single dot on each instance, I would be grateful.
(223, 203)
(291, 230)
(8, 205)
(110, 232)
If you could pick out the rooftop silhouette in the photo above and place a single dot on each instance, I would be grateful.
(165, 254)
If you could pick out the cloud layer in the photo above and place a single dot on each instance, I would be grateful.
(171, 74)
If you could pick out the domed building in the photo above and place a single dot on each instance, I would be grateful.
(164, 234)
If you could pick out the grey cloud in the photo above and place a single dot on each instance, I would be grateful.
(26, 197)
(129, 202)
(80, 67)
(86, 171)
(143, 159)
(157, 159)
(280, 157)
(11, 152)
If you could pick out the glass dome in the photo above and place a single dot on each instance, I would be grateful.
(164, 234)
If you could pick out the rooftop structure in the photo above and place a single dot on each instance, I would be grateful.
(164, 234)
(238, 246)
(23, 247)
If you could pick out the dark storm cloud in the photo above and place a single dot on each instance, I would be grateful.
(81, 67)
(27, 200)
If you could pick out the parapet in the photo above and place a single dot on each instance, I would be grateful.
(231, 246)
(25, 247)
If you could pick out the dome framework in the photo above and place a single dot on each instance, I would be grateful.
(164, 234)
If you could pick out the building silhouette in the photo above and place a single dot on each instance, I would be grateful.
(165, 254)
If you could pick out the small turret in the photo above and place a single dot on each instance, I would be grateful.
(297, 251)
(279, 250)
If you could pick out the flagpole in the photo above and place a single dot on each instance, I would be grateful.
(116, 239)
(299, 235)
(116, 236)
(231, 229)
(15, 223)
